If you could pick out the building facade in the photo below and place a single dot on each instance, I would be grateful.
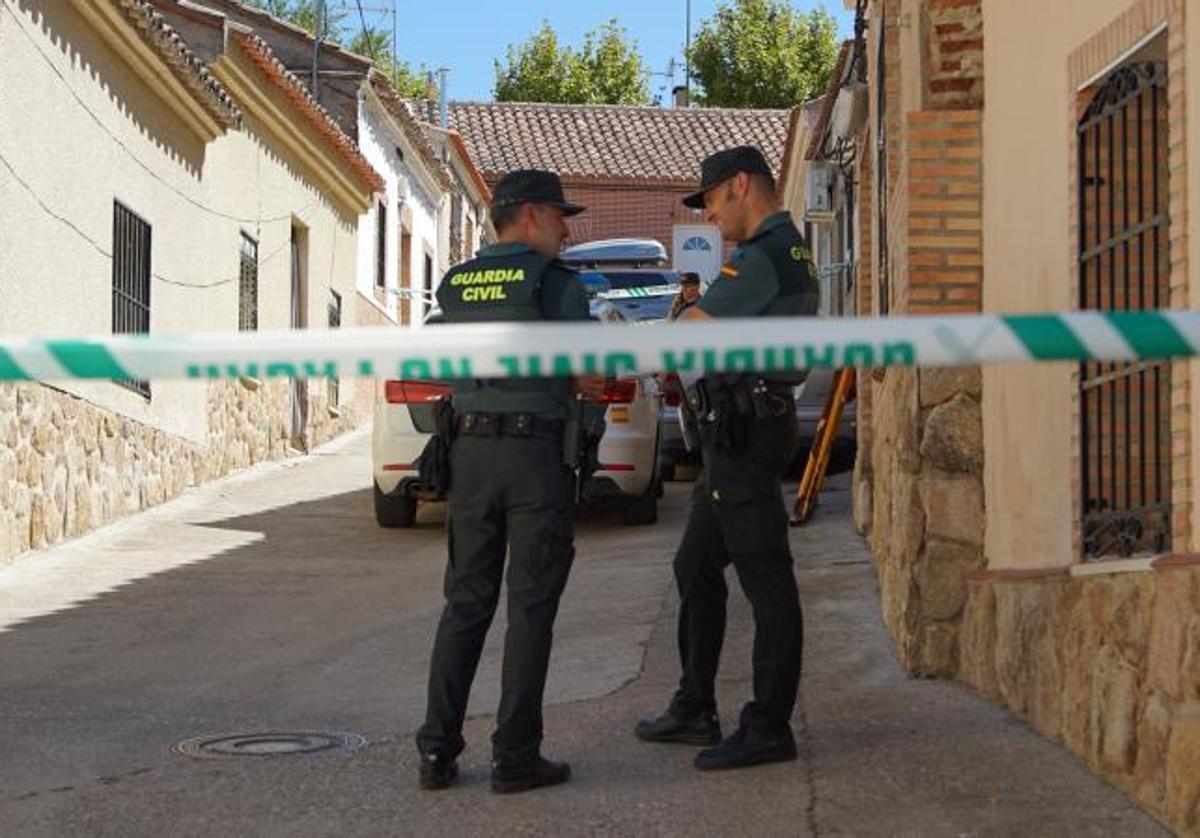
(154, 183)
(1034, 526)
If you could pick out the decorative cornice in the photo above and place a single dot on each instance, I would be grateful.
(146, 42)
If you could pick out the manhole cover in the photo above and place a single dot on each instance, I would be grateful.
(271, 744)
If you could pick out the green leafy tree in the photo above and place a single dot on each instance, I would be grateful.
(377, 45)
(608, 69)
(763, 54)
(370, 42)
(303, 13)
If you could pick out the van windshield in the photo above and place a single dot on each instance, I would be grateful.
(599, 281)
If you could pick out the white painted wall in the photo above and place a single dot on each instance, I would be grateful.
(378, 141)
(98, 133)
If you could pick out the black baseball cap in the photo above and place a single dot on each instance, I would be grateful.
(721, 166)
(532, 186)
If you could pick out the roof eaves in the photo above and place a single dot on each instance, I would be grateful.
(154, 30)
(835, 82)
(792, 137)
(265, 17)
(412, 131)
(260, 53)
(460, 148)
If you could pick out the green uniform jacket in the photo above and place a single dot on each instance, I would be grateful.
(511, 282)
(769, 274)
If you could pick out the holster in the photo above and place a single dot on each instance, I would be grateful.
(433, 466)
(734, 403)
(581, 446)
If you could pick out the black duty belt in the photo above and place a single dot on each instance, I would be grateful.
(783, 391)
(510, 424)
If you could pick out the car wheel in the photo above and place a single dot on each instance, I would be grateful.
(643, 509)
(394, 510)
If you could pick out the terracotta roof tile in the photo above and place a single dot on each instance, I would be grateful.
(258, 51)
(609, 142)
(190, 70)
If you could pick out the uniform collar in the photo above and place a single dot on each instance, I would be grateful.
(768, 224)
(505, 249)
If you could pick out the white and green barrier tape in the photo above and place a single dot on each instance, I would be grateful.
(505, 350)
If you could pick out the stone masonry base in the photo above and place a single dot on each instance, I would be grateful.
(67, 466)
(1108, 665)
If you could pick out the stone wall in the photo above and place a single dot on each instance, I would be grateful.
(1108, 665)
(67, 466)
(926, 527)
(919, 476)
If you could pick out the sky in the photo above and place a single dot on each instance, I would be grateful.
(467, 35)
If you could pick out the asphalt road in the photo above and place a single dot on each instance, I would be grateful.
(271, 602)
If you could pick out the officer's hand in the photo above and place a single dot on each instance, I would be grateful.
(589, 387)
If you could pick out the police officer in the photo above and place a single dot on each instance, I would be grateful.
(689, 294)
(509, 488)
(748, 435)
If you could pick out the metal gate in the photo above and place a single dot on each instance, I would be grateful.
(1125, 408)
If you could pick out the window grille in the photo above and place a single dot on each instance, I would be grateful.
(130, 281)
(1123, 263)
(248, 285)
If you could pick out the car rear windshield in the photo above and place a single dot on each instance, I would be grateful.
(645, 308)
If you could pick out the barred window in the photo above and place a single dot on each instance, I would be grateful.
(130, 281)
(335, 322)
(1124, 265)
(248, 285)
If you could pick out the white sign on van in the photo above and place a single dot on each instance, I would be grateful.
(698, 248)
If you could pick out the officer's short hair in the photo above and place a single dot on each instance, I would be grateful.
(766, 182)
(505, 216)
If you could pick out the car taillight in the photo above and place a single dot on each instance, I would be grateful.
(620, 391)
(401, 392)
(672, 390)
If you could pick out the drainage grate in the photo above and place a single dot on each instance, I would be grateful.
(270, 744)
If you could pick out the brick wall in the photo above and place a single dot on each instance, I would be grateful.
(943, 178)
(641, 210)
(952, 43)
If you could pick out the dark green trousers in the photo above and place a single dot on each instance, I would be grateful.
(738, 517)
(506, 493)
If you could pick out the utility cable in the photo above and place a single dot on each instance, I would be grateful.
(120, 143)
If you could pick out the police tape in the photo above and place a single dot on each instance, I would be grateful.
(513, 350)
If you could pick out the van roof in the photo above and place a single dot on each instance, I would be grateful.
(616, 251)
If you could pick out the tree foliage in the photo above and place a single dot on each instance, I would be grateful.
(607, 69)
(373, 43)
(763, 54)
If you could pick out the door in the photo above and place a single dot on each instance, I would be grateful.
(299, 424)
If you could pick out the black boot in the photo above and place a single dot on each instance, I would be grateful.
(746, 747)
(671, 726)
(437, 771)
(511, 779)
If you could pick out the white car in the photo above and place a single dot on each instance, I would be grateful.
(628, 455)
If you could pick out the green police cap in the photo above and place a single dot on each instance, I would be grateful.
(720, 167)
(532, 186)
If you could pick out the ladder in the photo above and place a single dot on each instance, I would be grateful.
(818, 458)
